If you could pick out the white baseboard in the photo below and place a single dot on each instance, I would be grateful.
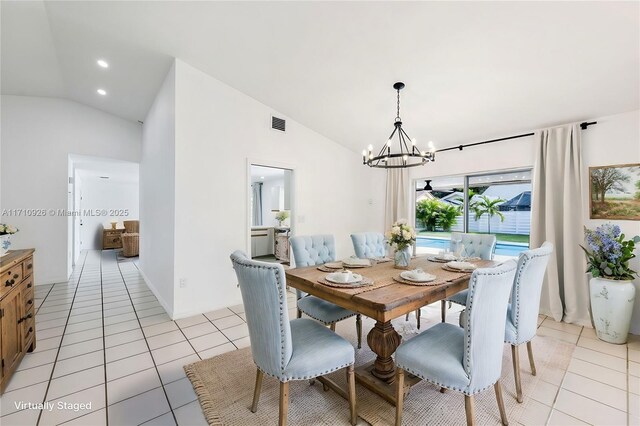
(163, 303)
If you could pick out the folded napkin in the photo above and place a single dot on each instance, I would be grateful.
(417, 274)
(446, 256)
(463, 266)
(356, 261)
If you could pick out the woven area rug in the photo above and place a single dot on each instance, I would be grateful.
(224, 385)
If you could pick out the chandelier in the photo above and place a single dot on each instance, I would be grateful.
(409, 155)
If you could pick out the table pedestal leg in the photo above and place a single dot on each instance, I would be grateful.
(383, 340)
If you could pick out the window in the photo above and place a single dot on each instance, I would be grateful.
(498, 203)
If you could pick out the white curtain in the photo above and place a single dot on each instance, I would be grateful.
(256, 205)
(397, 198)
(557, 217)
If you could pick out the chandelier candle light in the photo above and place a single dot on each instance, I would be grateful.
(409, 153)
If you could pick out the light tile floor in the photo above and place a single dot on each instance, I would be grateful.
(103, 338)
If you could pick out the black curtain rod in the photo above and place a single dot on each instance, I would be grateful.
(583, 126)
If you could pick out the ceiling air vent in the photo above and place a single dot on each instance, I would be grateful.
(278, 123)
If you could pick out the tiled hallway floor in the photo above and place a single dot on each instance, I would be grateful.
(103, 338)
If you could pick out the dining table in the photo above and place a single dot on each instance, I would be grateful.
(385, 297)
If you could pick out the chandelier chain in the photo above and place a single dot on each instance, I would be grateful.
(398, 109)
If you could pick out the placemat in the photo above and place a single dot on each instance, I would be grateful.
(341, 265)
(435, 259)
(325, 269)
(366, 282)
(450, 269)
(401, 280)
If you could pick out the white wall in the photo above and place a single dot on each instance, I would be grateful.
(105, 194)
(38, 134)
(614, 140)
(157, 194)
(218, 132)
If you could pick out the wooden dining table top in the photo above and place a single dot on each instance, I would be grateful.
(387, 299)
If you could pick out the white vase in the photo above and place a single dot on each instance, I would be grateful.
(402, 258)
(5, 244)
(611, 307)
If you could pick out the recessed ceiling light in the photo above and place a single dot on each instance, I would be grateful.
(262, 177)
(104, 177)
(103, 63)
(102, 92)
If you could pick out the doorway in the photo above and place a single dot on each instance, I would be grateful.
(270, 212)
(102, 194)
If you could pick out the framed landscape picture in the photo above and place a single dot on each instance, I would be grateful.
(615, 192)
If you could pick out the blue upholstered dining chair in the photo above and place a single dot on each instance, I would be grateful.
(300, 349)
(475, 245)
(316, 250)
(369, 244)
(469, 359)
(522, 313)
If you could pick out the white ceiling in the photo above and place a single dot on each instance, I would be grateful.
(473, 70)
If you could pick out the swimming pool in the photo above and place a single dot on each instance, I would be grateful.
(502, 248)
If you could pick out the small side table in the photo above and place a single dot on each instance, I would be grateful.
(112, 238)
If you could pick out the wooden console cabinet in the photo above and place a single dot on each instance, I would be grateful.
(112, 238)
(17, 311)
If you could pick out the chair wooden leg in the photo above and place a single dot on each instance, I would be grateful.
(333, 327)
(469, 408)
(503, 412)
(418, 317)
(531, 361)
(359, 330)
(256, 392)
(406, 317)
(351, 382)
(399, 395)
(443, 310)
(284, 403)
(515, 355)
(299, 314)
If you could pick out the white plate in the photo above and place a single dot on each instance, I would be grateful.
(462, 266)
(334, 277)
(445, 257)
(425, 278)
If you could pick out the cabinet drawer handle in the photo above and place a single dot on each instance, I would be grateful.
(30, 330)
(15, 276)
(29, 302)
(29, 266)
(9, 283)
(29, 285)
(20, 320)
(29, 316)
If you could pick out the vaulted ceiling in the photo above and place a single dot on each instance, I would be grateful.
(472, 69)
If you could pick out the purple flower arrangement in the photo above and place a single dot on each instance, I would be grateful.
(608, 253)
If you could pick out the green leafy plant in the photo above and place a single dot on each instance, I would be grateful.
(485, 205)
(282, 215)
(434, 214)
(608, 254)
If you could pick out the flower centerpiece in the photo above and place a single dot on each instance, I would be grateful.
(5, 237)
(281, 216)
(611, 289)
(401, 237)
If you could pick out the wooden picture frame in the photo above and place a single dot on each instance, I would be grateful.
(614, 192)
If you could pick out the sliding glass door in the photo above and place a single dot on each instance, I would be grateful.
(497, 203)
